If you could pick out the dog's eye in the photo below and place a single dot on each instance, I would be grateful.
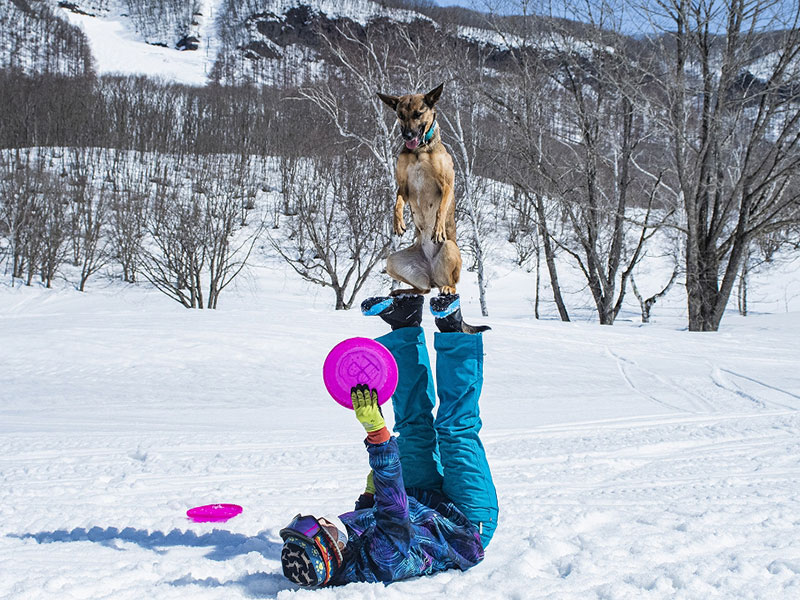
(417, 115)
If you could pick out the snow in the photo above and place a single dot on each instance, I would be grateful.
(631, 461)
(551, 42)
(359, 11)
(490, 37)
(117, 49)
(764, 67)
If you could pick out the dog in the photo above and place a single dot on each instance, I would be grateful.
(425, 178)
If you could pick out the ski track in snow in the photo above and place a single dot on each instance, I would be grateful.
(625, 366)
(630, 462)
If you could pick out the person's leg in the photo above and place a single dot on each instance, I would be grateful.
(413, 403)
(467, 478)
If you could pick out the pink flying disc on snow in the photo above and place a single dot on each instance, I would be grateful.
(213, 513)
(359, 360)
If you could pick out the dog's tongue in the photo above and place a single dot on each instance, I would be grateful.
(412, 144)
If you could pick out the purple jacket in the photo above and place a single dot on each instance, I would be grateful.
(408, 532)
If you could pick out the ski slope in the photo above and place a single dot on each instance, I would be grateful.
(631, 462)
(117, 49)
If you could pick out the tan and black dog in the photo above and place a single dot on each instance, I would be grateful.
(425, 182)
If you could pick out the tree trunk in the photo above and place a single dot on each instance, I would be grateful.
(743, 277)
(743, 292)
(702, 290)
(550, 259)
(538, 282)
(476, 239)
(644, 304)
(340, 303)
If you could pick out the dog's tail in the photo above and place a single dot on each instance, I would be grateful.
(467, 328)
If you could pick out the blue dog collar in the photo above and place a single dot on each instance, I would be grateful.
(429, 135)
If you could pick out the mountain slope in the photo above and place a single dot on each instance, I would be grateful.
(273, 42)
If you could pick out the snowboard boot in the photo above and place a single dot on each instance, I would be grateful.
(446, 309)
(398, 311)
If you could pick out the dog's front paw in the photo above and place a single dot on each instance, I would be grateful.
(439, 234)
(399, 226)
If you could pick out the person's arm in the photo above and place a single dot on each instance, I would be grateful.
(391, 501)
(367, 499)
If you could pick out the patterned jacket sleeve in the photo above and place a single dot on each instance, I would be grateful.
(391, 503)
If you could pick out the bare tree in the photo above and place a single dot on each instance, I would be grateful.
(462, 115)
(53, 231)
(128, 226)
(340, 231)
(646, 304)
(32, 216)
(370, 59)
(523, 97)
(765, 253)
(172, 259)
(16, 207)
(598, 134)
(196, 242)
(523, 234)
(365, 60)
(90, 244)
(229, 238)
(730, 99)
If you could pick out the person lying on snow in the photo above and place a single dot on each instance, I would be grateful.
(430, 503)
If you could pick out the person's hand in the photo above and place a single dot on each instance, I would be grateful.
(365, 405)
(370, 489)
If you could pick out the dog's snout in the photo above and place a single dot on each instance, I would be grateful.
(408, 134)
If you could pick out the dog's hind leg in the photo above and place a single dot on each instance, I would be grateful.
(447, 272)
(447, 268)
(410, 266)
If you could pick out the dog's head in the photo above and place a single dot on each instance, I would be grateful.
(416, 114)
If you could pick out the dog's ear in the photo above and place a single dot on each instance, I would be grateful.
(432, 96)
(391, 101)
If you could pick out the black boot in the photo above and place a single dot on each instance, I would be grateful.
(398, 311)
(446, 309)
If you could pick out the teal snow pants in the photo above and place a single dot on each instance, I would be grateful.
(446, 454)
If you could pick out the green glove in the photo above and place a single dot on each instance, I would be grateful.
(365, 405)
(370, 489)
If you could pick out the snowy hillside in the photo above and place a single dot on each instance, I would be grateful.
(631, 462)
(35, 39)
(359, 11)
(177, 45)
(181, 41)
(273, 42)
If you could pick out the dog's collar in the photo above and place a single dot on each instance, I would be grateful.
(429, 134)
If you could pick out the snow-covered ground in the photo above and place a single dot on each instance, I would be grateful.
(640, 462)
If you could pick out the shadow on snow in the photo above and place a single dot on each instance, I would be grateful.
(224, 545)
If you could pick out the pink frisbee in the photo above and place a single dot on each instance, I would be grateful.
(213, 513)
(359, 360)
